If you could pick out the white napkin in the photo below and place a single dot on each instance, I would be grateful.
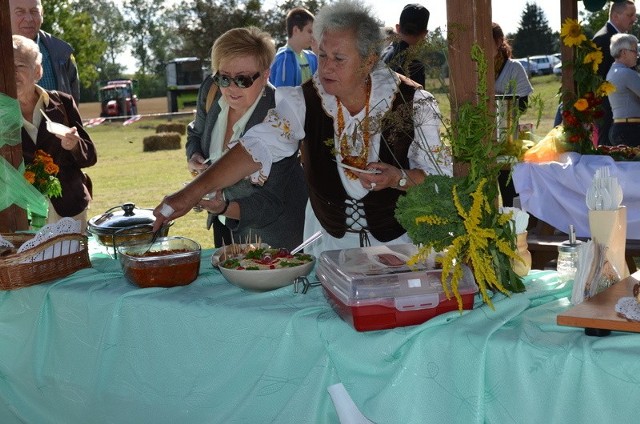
(63, 226)
(629, 307)
(594, 272)
(348, 412)
(519, 218)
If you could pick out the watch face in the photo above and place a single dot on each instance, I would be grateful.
(403, 179)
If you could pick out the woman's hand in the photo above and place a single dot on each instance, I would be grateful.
(70, 140)
(197, 164)
(174, 206)
(216, 204)
(387, 177)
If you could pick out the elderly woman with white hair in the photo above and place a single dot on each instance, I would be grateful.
(625, 100)
(71, 150)
(367, 135)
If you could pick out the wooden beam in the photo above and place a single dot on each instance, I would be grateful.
(468, 22)
(568, 9)
(13, 218)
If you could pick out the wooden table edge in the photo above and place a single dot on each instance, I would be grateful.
(599, 311)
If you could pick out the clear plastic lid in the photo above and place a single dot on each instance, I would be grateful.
(379, 272)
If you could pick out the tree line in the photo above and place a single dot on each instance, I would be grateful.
(156, 32)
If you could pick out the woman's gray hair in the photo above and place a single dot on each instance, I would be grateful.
(621, 42)
(351, 15)
(27, 48)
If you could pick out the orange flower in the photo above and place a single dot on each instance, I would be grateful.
(51, 168)
(30, 177)
(581, 104)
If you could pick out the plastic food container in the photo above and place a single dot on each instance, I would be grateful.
(372, 288)
(168, 262)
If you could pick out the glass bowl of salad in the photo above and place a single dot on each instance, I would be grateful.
(260, 267)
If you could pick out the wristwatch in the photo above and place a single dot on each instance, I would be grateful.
(402, 183)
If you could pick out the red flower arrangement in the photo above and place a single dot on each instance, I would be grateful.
(583, 108)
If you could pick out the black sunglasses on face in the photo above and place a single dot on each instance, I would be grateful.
(242, 81)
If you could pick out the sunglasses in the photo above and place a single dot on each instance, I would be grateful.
(241, 81)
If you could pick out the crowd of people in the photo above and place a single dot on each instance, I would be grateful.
(359, 148)
(330, 149)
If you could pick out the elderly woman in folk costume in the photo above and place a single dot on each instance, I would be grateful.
(367, 134)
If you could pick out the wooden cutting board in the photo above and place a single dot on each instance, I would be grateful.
(598, 313)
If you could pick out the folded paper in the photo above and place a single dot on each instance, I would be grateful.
(609, 228)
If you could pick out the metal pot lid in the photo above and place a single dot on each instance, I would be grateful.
(123, 216)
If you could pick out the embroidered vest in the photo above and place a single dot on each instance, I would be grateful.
(326, 192)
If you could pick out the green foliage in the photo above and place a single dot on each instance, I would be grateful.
(145, 23)
(534, 36)
(438, 190)
(124, 173)
(76, 28)
(471, 134)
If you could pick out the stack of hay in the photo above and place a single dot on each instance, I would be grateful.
(167, 137)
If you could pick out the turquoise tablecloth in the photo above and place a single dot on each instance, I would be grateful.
(93, 348)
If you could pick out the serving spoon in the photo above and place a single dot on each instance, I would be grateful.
(307, 242)
(156, 233)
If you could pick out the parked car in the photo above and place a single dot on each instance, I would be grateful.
(557, 70)
(545, 63)
(530, 67)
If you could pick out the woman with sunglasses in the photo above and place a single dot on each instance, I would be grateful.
(234, 98)
(368, 136)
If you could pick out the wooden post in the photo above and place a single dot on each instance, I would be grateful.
(13, 218)
(468, 22)
(568, 9)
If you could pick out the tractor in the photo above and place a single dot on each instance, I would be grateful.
(184, 76)
(118, 99)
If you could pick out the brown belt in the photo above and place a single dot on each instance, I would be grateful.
(627, 121)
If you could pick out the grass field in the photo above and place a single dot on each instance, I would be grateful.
(124, 173)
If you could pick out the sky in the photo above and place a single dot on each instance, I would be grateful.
(506, 13)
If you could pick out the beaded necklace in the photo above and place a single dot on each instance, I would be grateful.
(362, 158)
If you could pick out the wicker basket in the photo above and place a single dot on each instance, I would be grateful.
(21, 270)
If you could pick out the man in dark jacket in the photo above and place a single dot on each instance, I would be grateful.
(59, 66)
(622, 16)
(402, 55)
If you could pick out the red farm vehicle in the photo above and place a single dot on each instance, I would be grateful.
(117, 99)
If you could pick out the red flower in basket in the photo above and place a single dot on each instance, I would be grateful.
(41, 173)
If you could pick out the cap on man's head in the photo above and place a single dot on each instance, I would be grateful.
(414, 19)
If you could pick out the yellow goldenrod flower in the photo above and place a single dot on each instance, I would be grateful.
(581, 104)
(431, 220)
(571, 33)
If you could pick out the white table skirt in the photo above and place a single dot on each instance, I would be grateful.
(555, 191)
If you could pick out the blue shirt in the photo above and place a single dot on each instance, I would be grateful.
(625, 101)
(48, 80)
